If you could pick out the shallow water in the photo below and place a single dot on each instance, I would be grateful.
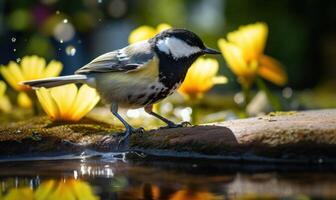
(110, 176)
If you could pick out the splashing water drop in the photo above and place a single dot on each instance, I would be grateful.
(61, 41)
(13, 39)
(57, 12)
(100, 1)
(65, 21)
(70, 50)
(14, 50)
(18, 60)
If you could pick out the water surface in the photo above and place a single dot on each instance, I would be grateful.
(114, 177)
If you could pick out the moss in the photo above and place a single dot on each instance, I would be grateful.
(42, 134)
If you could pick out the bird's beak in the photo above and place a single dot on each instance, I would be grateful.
(210, 51)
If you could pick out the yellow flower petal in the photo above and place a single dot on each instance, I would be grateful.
(251, 39)
(81, 108)
(67, 102)
(83, 191)
(141, 33)
(31, 67)
(64, 97)
(162, 27)
(5, 105)
(24, 101)
(271, 70)
(47, 103)
(3, 88)
(13, 75)
(219, 80)
(25, 193)
(44, 190)
(63, 191)
(53, 69)
(234, 57)
(146, 32)
(200, 78)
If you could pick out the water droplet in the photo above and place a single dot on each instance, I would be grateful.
(14, 50)
(79, 41)
(100, 1)
(57, 12)
(239, 98)
(70, 50)
(61, 41)
(18, 60)
(287, 92)
(65, 21)
(99, 19)
(13, 39)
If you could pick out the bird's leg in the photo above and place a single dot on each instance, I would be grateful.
(149, 110)
(129, 128)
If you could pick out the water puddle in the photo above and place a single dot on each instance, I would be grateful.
(93, 175)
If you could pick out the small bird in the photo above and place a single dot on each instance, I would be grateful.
(140, 74)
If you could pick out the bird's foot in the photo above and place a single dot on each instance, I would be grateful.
(124, 136)
(180, 125)
(127, 133)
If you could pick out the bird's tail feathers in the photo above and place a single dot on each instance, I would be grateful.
(55, 81)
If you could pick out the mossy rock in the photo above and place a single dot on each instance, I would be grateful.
(39, 134)
(278, 137)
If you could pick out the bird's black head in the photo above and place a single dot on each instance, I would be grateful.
(180, 44)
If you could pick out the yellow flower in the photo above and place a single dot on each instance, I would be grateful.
(145, 32)
(19, 193)
(5, 105)
(31, 67)
(24, 101)
(68, 190)
(67, 102)
(244, 53)
(200, 78)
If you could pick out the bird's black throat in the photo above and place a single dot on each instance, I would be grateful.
(173, 71)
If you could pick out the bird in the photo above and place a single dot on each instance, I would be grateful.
(138, 75)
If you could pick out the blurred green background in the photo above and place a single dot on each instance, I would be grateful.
(302, 33)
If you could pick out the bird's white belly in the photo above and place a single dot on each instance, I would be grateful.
(128, 91)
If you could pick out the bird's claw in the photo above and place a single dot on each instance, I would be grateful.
(181, 125)
(138, 130)
(185, 124)
(124, 136)
(129, 132)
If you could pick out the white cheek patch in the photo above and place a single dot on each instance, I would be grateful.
(176, 47)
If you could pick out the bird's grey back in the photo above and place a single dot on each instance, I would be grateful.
(122, 60)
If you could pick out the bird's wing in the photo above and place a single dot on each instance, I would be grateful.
(130, 58)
